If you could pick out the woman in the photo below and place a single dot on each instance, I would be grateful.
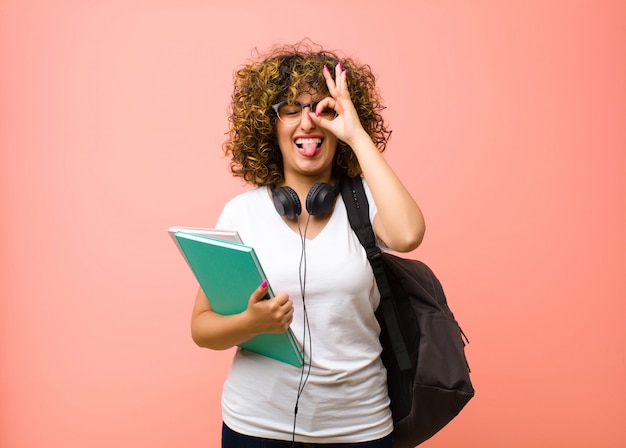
(301, 118)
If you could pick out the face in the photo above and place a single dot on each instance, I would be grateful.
(307, 149)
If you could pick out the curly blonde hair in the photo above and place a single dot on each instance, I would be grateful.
(281, 75)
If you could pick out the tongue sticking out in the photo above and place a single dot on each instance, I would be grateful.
(309, 149)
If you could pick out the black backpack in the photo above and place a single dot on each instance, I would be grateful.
(423, 348)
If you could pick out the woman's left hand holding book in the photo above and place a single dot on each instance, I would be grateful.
(220, 332)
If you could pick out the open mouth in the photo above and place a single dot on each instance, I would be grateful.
(309, 146)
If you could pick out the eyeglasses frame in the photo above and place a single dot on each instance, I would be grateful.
(311, 107)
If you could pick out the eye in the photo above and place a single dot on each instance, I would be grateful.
(290, 110)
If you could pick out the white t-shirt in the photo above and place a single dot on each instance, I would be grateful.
(345, 397)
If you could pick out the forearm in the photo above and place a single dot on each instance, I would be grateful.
(218, 332)
(401, 223)
(215, 331)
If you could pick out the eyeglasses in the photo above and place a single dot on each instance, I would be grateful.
(292, 113)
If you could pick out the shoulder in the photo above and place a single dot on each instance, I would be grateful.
(247, 197)
(245, 206)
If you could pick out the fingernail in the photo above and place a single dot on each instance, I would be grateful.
(264, 284)
(326, 68)
(340, 66)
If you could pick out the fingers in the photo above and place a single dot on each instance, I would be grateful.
(345, 124)
(280, 313)
(287, 318)
(337, 86)
(340, 77)
(330, 82)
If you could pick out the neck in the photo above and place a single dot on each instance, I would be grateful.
(304, 183)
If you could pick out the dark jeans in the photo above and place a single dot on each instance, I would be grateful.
(232, 439)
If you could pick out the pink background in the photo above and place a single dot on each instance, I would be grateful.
(509, 122)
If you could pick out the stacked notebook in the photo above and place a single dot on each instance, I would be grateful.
(228, 271)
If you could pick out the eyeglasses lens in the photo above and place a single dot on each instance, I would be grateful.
(292, 113)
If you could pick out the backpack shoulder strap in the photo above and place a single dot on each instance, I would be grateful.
(355, 200)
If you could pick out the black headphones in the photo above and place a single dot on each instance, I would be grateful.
(319, 201)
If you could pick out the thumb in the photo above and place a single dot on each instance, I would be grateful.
(260, 293)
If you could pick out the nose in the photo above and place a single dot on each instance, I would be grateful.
(305, 121)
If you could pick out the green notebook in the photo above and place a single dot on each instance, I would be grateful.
(228, 273)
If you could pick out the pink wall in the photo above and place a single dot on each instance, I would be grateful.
(509, 124)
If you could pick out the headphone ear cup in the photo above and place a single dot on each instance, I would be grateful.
(321, 199)
(286, 202)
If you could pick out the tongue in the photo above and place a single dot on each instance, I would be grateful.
(309, 149)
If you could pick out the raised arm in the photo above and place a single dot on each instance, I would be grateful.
(399, 222)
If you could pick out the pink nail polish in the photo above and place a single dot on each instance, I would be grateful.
(340, 67)
(326, 68)
(264, 284)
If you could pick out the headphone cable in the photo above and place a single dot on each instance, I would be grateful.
(306, 327)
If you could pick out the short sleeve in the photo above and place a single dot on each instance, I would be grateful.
(373, 209)
(225, 220)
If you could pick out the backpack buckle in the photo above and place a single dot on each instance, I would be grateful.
(374, 253)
